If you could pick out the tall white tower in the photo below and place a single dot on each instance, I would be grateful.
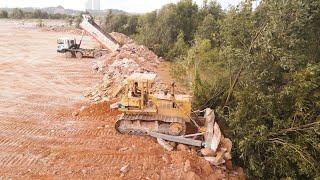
(89, 5)
(96, 5)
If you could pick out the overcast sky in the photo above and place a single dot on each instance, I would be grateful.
(139, 6)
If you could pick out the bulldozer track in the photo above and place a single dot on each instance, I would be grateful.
(55, 133)
(18, 160)
(22, 131)
(113, 160)
(11, 145)
(136, 127)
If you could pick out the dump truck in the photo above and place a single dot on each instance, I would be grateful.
(71, 48)
(163, 115)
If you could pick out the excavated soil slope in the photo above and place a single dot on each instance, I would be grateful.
(39, 136)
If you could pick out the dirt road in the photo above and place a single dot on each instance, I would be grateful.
(39, 136)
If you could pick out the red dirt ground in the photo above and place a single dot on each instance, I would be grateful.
(39, 136)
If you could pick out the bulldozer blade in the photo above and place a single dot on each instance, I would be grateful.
(178, 139)
(213, 134)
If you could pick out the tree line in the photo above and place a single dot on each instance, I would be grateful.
(36, 14)
(71, 20)
(258, 67)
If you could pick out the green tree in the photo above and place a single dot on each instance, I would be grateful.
(167, 29)
(121, 22)
(132, 25)
(39, 14)
(202, 70)
(187, 12)
(3, 14)
(263, 80)
(209, 29)
(180, 47)
(159, 30)
(59, 16)
(211, 7)
(272, 113)
(147, 31)
(17, 14)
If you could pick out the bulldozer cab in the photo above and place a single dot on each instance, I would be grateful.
(140, 83)
(138, 98)
(137, 93)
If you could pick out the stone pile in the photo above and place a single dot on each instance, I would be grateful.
(220, 157)
(117, 66)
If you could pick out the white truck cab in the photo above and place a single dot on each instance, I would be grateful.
(65, 43)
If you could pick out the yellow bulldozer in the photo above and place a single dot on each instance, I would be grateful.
(144, 111)
(163, 115)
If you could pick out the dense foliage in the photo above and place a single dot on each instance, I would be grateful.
(121, 22)
(259, 67)
(263, 76)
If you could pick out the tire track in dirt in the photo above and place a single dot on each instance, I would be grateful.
(22, 130)
(15, 159)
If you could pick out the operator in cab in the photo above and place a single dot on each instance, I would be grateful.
(136, 91)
